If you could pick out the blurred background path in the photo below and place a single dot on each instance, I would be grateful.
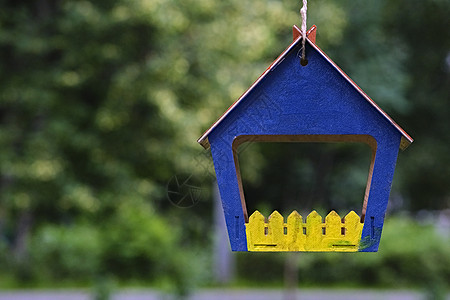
(218, 294)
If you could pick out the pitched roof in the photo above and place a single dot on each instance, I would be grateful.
(311, 38)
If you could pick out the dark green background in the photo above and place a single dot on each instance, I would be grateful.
(101, 103)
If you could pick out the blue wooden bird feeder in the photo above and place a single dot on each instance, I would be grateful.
(313, 103)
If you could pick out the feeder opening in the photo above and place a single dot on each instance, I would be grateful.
(313, 178)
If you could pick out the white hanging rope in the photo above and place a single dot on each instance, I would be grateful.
(303, 14)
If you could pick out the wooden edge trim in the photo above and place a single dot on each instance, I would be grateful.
(235, 147)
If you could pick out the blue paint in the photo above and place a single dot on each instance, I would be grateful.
(316, 99)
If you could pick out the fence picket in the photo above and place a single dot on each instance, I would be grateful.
(313, 231)
(295, 239)
(333, 225)
(353, 227)
(334, 238)
(276, 226)
(255, 230)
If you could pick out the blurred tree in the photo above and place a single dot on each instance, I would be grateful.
(101, 103)
(423, 27)
(95, 112)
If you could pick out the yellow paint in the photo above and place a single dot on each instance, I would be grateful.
(294, 235)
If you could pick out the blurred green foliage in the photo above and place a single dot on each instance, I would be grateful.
(65, 252)
(101, 103)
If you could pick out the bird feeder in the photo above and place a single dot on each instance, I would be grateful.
(318, 102)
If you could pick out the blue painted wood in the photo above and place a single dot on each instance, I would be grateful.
(229, 190)
(305, 100)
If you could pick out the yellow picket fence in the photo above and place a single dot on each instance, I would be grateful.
(335, 234)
